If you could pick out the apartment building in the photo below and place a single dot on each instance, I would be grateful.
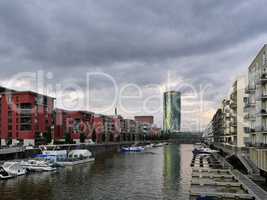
(98, 135)
(26, 117)
(237, 136)
(227, 116)
(257, 100)
(77, 124)
(208, 135)
(217, 126)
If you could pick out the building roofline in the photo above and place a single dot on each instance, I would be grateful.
(254, 59)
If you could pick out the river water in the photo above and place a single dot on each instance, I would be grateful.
(158, 173)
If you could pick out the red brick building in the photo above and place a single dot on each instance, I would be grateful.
(25, 116)
(74, 123)
(98, 129)
(144, 119)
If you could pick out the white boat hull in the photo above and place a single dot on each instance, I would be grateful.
(78, 162)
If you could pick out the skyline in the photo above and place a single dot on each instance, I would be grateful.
(188, 46)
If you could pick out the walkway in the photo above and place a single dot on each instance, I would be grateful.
(257, 191)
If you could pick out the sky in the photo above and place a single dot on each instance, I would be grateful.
(98, 55)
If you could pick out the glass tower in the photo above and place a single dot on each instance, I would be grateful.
(172, 111)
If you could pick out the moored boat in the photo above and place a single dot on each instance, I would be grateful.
(38, 165)
(158, 145)
(77, 157)
(11, 169)
(132, 149)
(203, 150)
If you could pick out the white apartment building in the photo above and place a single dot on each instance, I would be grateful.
(257, 104)
(234, 113)
(257, 90)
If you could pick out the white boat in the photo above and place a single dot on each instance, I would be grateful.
(203, 150)
(11, 169)
(149, 146)
(76, 157)
(158, 145)
(37, 165)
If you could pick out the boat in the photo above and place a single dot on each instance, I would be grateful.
(11, 169)
(4, 174)
(53, 157)
(203, 150)
(36, 165)
(132, 149)
(77, 157)
(149, 146)
(158, 145)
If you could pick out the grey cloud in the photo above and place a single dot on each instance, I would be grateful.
(64, 33)
(202, 42)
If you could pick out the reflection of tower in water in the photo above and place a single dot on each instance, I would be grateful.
(176, 171)
(171, 171)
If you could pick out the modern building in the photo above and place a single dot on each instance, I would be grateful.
(78, 124)
(26, 117)
(217, 126)
(172, 111)
(237, 136)
(208, 135)
(227, 118)
(257, 107)
(228, 124)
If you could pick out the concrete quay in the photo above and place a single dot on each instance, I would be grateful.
(220, 181)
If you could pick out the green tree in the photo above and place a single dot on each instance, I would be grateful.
(48, 136)
(82, 137)
(68, 139)
(94, 136)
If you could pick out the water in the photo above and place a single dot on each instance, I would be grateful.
(159, 173)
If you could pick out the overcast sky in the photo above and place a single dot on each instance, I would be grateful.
(198, 47)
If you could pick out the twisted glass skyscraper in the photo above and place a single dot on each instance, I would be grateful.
(172, 111)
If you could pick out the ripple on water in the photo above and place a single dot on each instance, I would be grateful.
(159, 173)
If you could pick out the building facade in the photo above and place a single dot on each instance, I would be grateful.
(237, 120)
(26, 117)
(144, 119)
(172, 111)
(257, 105)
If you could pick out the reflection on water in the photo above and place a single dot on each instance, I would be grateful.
(159, 173)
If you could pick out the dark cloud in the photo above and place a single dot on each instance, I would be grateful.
(68, 33)
(141, 42)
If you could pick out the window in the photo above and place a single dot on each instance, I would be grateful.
(263, 58)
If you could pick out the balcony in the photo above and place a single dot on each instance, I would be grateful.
(263, 113)
(233, 124)
(262, 80)
(249, 104)
(227, 115)
(258, 155)
(25, 110)
(249, 130)
(250, 89)
(233, 105)
(249, 117)
(261, 129)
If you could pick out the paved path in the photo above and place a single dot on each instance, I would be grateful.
(11, 150)
(256, 190)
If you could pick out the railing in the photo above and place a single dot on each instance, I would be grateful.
(259, 157)
(261, 129)
(11, 150)
(230, 149)
(250, 89)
